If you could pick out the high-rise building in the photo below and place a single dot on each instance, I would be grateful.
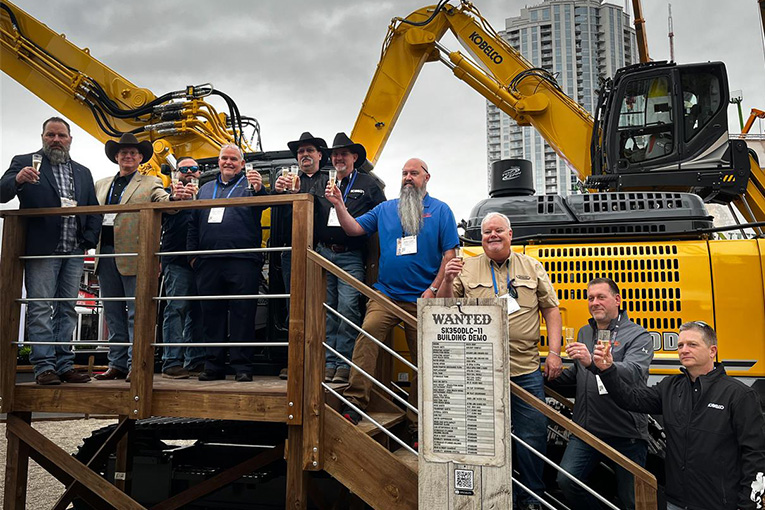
(578, 41)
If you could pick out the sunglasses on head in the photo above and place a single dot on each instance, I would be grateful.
(512, 290)
(188, 169)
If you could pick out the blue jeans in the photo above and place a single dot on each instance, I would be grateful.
(345, 299)
(120, 315)
(52, 321)
(182, 321)
(580, 459)
(531, 426)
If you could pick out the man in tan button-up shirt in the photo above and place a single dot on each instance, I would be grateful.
(500, 272)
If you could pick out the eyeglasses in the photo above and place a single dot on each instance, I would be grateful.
(511, 289)
(188, 169)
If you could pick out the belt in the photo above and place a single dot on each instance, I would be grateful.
(337, 248)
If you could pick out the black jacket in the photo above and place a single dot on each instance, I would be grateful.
(44, 232)
(632, 351)
(715, 449)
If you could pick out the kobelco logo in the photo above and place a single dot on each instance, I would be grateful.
(485, 47)
(511, 173)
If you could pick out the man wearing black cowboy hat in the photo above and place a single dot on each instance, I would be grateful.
(119, 234)
(361, 194)
(58, 182)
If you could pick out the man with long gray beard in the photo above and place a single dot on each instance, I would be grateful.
(58, 182)
(418, 235)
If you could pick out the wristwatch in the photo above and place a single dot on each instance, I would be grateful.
(433, 289)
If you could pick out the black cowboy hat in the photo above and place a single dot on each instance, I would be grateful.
(129, 140)
(308, 139)
(342, 141)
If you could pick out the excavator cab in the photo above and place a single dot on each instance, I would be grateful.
(664, 126)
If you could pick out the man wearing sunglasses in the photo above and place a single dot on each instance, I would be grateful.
(182, 320)
(522, 281)
(714, 424)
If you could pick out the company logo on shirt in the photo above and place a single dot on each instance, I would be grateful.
(716, 406)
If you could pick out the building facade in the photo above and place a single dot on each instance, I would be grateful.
(578, 41)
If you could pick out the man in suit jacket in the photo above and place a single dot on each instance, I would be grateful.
(59, 182)
(119, 234)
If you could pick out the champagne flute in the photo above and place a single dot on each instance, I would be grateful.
(333, 179)
(248, 167)
(195, 182)
(294, 172)
(36, 162)
(568, 338)
(459, 253)
(287, 174)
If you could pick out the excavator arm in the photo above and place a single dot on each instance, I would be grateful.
(105, 104)
(496, 70)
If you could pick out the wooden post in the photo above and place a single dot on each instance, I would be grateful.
(142, 377)
(11, 276)
(302, 239)
(313, 403)
(16, 468)
(465, 449)
(297, 478)
(123, 465)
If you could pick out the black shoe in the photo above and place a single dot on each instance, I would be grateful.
(283, 374)
(351, 415)
(196, 369)
(48, 378)
(209, 375)
(243, 377)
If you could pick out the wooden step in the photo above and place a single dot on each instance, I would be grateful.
(407, 458)
(387, 419)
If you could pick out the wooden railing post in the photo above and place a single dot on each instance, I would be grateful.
(142, 377)
(645, 495)
(313, 393)
(11, 276)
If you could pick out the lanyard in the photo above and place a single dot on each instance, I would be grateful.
(494, 280)
(111, 190)
(215, 191)
(350, 185)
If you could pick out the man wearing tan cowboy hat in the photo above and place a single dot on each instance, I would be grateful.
(361, 194)
(119, 234)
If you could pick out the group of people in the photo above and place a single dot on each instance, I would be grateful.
(715, 426)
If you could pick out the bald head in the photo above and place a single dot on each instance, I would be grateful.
(415, 174)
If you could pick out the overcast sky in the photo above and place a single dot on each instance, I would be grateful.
(306, 65)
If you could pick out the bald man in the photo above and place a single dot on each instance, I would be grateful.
(418, 235)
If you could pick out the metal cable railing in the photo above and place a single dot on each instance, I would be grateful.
(371, 420)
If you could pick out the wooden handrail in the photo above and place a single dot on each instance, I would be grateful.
(263, 200)
(637, 471)
(381, 299)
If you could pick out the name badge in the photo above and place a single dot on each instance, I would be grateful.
(109, 219)
(216, 215)
(68, 202)
(333, 220)
(406, 245)
(512, 304)
(601, 387)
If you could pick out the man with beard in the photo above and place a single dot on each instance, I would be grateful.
(418, 235)
(521, 280)
(59, 182)
(119, 234)
(228, 274)
(309, 152)
(360, 194)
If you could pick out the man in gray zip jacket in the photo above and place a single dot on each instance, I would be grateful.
(594, 410)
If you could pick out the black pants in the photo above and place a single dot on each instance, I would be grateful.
(228, 320)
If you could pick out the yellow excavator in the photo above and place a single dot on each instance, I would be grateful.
(656, 148)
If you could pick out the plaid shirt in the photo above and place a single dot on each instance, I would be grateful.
(69, 239)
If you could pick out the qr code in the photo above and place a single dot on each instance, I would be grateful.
(463, 479)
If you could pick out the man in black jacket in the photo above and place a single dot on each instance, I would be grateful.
(595, 410)
(59, 182)
(714, 424)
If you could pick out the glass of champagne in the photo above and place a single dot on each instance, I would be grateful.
(333, 179)
(294, 172)
(36, 162)
(568, 337)
(459, 253)
(287, 174)
(248, 167)
(194, 182)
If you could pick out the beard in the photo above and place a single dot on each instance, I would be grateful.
(56, 155)
(410, 209)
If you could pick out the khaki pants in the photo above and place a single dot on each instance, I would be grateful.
(378, 322)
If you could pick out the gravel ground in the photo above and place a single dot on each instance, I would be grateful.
(43, 490)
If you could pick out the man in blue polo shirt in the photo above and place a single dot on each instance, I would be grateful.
(418, 235)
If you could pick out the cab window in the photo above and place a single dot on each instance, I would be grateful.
(645, 120)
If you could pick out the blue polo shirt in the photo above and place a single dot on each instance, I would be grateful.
(406, 277)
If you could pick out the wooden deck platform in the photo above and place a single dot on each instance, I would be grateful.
(263, 399)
